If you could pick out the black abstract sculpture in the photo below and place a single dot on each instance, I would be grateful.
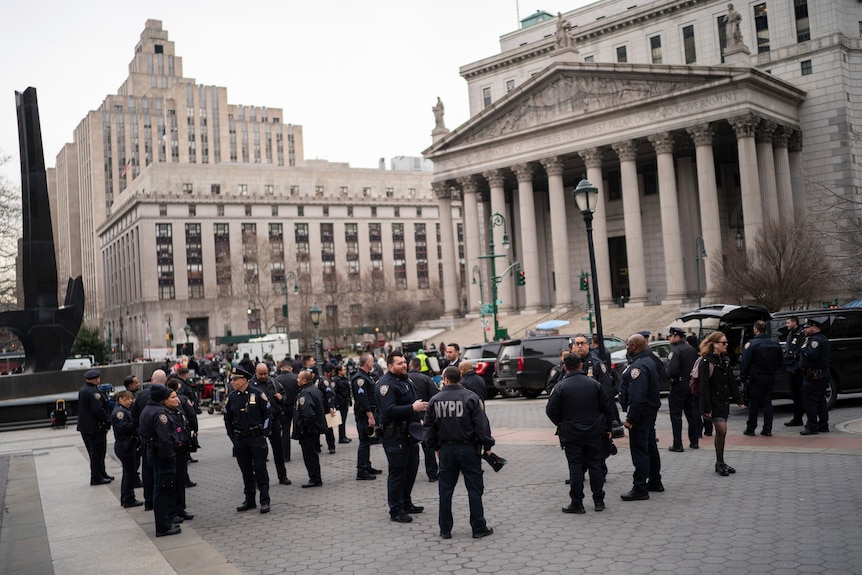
(46, 330)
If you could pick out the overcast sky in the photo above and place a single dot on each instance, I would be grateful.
(359, 76)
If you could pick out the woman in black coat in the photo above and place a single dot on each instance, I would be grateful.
(717, 387)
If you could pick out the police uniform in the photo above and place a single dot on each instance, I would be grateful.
(308, 424)
(395, 398)
(814, 363)
(126, 448)
(680, 401)
(641, 381)
(247, 419)
(761, 358)
(426, 389)
(330, 402)
(160, 438)
(287, 379)
(474, 383)
(141, 401)
(365, 402)
(94, 421)
(580, 409)
(594, 367)
(179, 419)
(342, 395)
(792, 347)
(271, 386)
(457, 427)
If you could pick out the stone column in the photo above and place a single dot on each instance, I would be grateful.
(469, 188)
(593, 159)
(559, 231)
(529, 239)
(484, 197)
(752, 207)
(766, 169)
(710, 220)
(627, 152)
(689, 214)
(451, 305)
(783, 183)
(794, 149)
(505, 289)
(670, 233)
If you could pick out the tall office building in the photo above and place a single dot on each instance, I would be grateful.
(699, 123)
(185, 210)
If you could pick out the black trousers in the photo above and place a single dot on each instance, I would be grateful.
(310, 444)
(251, 457)
(461, 459)
(814, 397)
(645, 457)
(97, 447)
(363, 453)
(276, 440)
(794, 381)
(585, 455)
(342, 429)
(179, 498)
(680, 401)
(403, 456)
(127, 485)
(761, 389)
(431, 468)
(286, 426)
(164, 477)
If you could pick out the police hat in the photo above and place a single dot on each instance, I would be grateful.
(93, 374)
(811, 322)
(416, 431)
(328, 367)
(240, 372)
(676, 331)
(645, 333)
(159, 392)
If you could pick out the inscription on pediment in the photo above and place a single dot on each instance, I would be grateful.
(569, 95)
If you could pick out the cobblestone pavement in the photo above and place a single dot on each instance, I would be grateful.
(793, 506)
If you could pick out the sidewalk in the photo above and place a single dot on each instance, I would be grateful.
(768, 510)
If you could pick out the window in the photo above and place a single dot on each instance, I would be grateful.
(655, 49)
(366, 192)
(192, 210)
(300, 211)
(390, 192)
(220, 210)
(342, 191)
(621, 54)
(397, 212)
(275, 211)
(803, 32)
(163, 210)
(486, 96)
(326, 211)
(349, 211)
(806, 67)
(510, 85)
(319, 190)
(419, 211)
(187, 188)
(722, 35)
(761, 25)
(688, 44)
(269, 189)
(615, 186)
(650, 179)
(215, 189)
(248, 210)
(589, 58)
(374, 211)
(294, 190)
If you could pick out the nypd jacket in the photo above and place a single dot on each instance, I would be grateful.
(456, 415)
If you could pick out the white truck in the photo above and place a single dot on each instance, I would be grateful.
(273, 344)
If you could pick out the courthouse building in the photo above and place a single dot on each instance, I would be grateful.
(185, 210)
(697, 121)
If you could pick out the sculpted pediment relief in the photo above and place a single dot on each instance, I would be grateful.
(570, 95)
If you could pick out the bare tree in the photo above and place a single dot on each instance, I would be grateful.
(10, 233)
(787, 267)
(261, 270)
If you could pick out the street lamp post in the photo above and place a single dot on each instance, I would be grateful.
(586, 198)
(289, 277)
(699, 252)
(477, 271)
(314, 313)
(497, 220)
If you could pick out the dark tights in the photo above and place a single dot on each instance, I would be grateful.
(720, 435)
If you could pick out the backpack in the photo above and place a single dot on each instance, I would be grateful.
(694, 376)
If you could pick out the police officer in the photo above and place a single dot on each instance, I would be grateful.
(761, 358)
(425, 390)
(330, 401)
(308, 424)
(364, 411)
(457, 428)
(581, 410)
(275, 392)
(141, 400)
(557, 372)
(471, 380)
(399, 406)
(641, 381)
(680, 401)
(247, 420)
(94, 421)
(160, 438)
(792, 347)
(126, 447)
(343, 399)
(814, 363)
(287, 379)
(185, 421)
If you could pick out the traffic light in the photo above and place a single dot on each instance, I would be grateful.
(522, 278)
(585, 282)
(284, 310)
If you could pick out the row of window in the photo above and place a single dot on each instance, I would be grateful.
(269, 190)
(300, 211)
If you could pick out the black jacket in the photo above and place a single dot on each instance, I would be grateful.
(680, 361)
(579, 407)
(762, 357)
(642, 384)
(93, 413)
(424, 384)
(474, 383)
(308, 414)
(157, 430)
(395, 397)
(717, 384)
(455, 414)
(364, 394)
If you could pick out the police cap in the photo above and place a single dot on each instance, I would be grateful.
(676, 331)
(159, 392)
(93, 374)
(811, 322)
(240, 372)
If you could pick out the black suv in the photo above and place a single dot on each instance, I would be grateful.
(524, 364)
(843, 327)
(483, 356)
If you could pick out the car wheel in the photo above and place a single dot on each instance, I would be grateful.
(531, 393)
(831, 393)
(508, 392)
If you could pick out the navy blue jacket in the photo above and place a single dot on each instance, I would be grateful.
(456, 414)
(641, 380)
(762, 357)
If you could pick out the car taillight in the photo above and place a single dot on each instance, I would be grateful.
(521, 363)
(481, 367)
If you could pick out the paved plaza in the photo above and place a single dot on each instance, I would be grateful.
(794, 506)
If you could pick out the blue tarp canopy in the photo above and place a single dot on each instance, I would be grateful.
(552, 324)
(854, 304)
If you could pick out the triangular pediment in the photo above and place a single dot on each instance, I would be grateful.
(564, 92)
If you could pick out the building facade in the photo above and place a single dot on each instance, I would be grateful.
(689, 116)
(185, 210)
